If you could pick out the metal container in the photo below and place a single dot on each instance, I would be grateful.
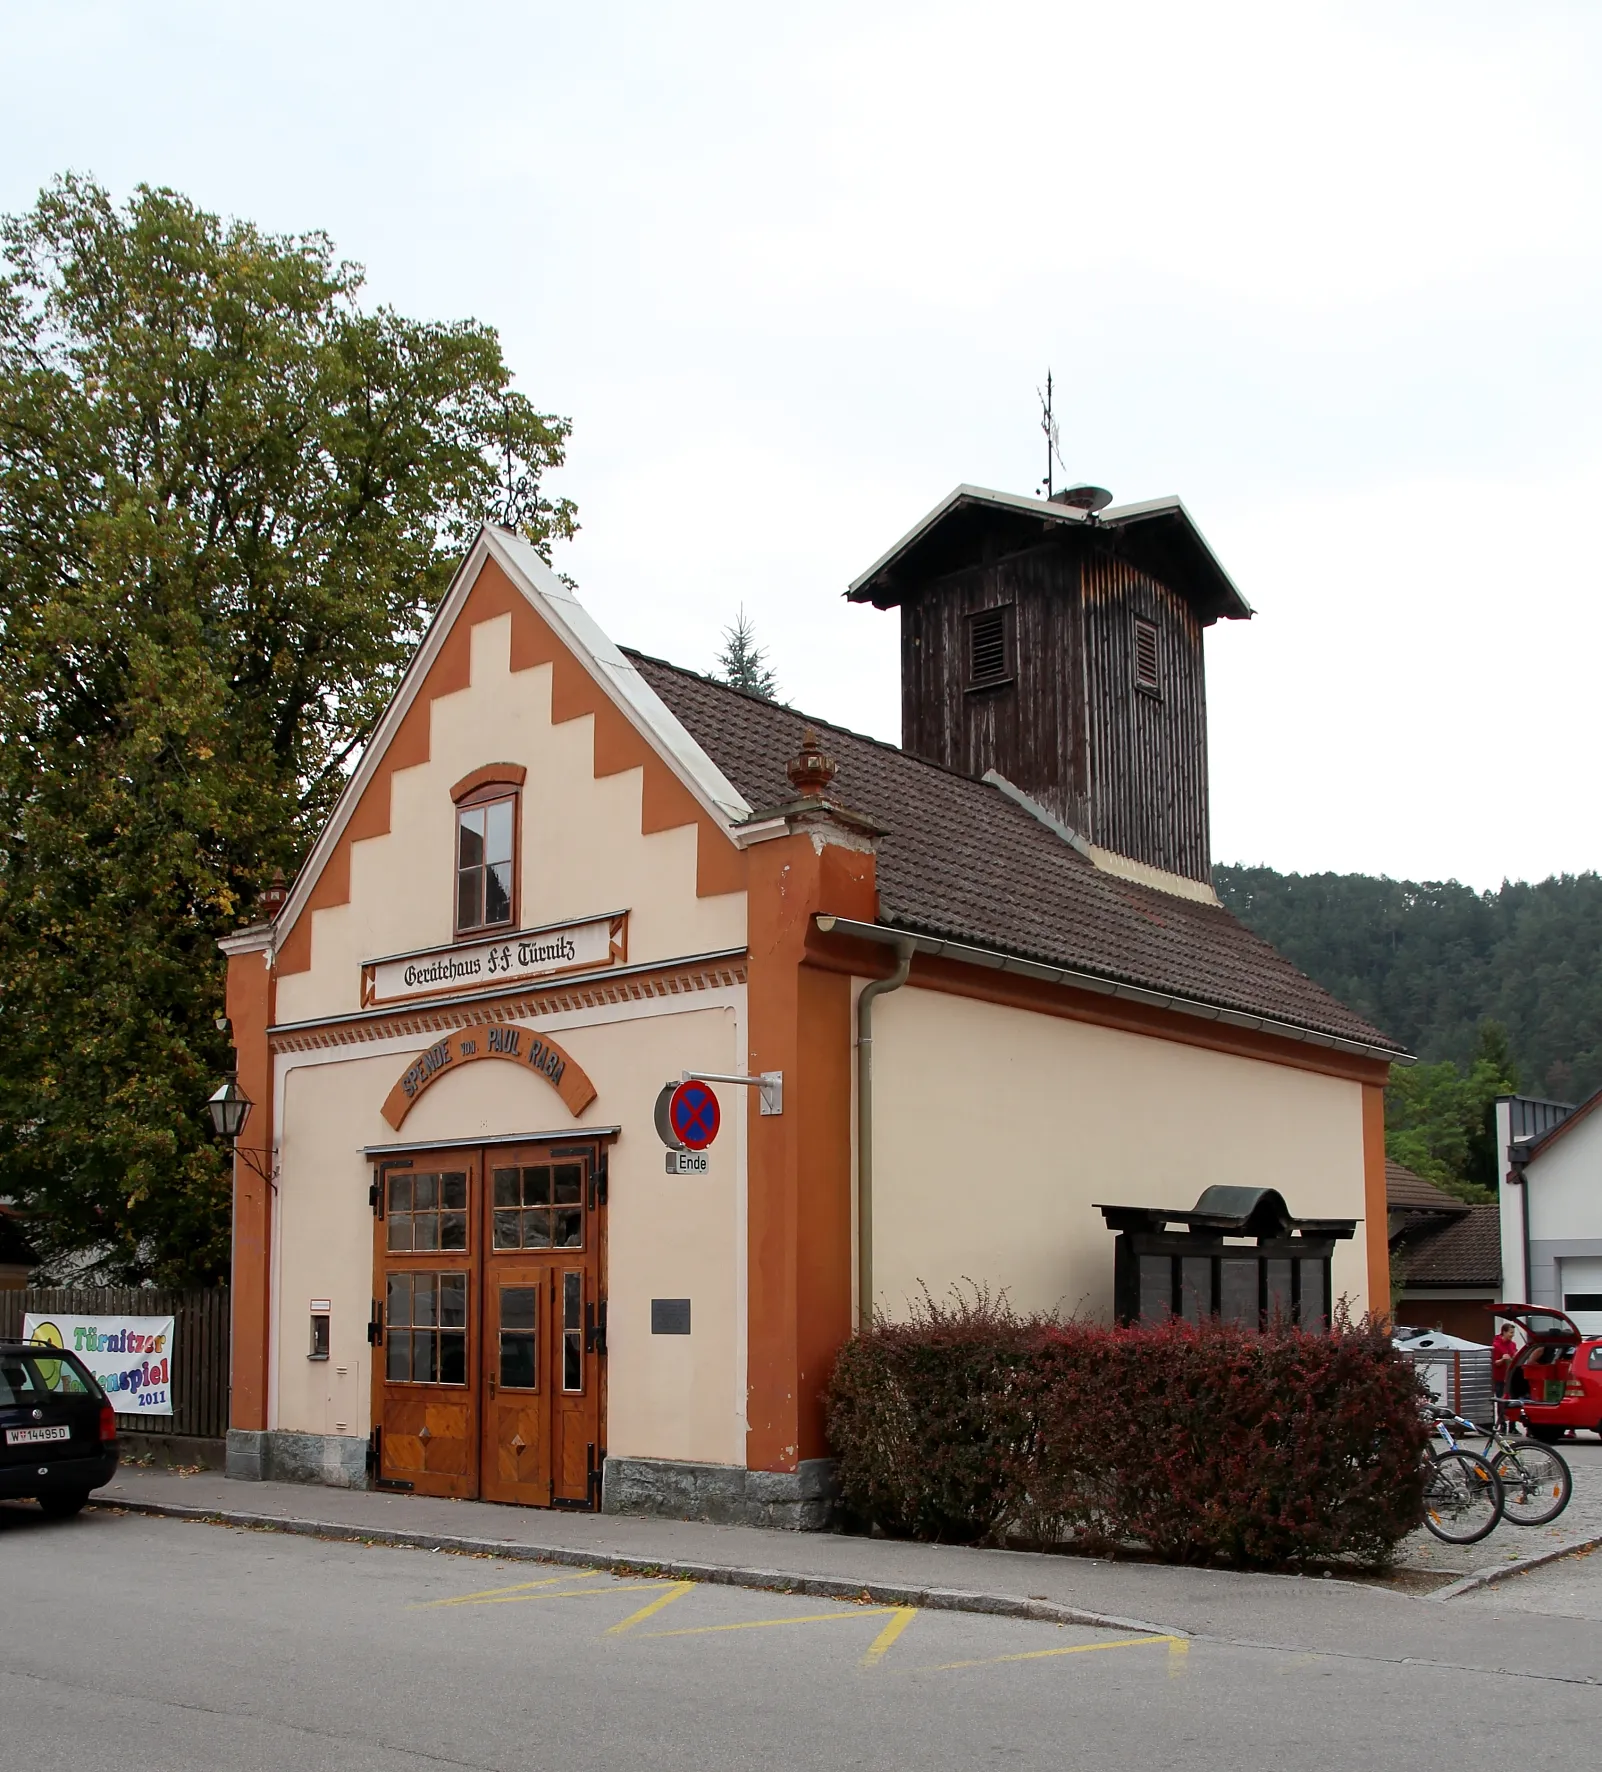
(1457, 1372)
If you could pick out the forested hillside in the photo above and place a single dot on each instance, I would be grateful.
(1429, 963)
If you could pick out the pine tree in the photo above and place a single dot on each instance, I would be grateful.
(743, 664)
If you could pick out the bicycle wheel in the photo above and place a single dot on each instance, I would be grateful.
(1535, 1480)
(1462, 1498)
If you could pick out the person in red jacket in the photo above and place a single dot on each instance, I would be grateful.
(1503, 1350)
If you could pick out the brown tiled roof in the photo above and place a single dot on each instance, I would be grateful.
(1407, 1192)
(963, 861)
(1465, 1251)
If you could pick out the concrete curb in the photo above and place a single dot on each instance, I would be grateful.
(828, 1587)
(1521, 1565)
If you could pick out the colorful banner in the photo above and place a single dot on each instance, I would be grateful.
(131, 1356)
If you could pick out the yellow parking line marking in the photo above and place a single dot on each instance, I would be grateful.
(1178, 1656)
(573, 1593)
(495, 1593)
(946, 1667)
(707, 1630)
(676, 1592)
(880, 1646)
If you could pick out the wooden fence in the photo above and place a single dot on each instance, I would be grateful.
(199, 1355)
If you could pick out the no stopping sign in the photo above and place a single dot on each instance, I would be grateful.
(693, 1114)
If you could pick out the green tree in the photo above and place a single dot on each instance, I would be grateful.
(1429, 961)
(230, 497)
(743, 664)
(1440, 1118)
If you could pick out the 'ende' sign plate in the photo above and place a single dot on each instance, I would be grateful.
(527, 956)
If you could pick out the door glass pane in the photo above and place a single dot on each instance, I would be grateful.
(519, 1365)
(572, 1332)
(508, 1231)
(1156, 1288)
(428, 1211)
(537, 1187)
(569, 1184)
(425, 1340)
(453, 1301)
(506, 1188)
(569, 1230)
(1238, 1291)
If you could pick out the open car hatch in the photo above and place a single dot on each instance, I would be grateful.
(1543, 1325)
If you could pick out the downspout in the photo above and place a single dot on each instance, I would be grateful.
(1518, 1157)
(875, 987)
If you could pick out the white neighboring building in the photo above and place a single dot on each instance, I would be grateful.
(1551, 1199)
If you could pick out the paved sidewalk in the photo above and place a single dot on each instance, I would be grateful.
(1580, 1523)
(1279, 1610)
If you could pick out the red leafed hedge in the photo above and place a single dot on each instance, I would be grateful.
(1199, 1442)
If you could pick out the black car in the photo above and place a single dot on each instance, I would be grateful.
(58, 1434)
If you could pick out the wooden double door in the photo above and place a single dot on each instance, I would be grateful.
(489, 1323)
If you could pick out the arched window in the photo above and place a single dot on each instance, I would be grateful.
(488, 826)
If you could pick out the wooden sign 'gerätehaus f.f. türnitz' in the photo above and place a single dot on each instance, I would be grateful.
(483, 965)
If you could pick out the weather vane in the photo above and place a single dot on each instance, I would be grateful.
(1049, 425)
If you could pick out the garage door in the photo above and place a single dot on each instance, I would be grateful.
(1582, 1294)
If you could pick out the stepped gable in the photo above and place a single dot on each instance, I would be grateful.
(963, 861)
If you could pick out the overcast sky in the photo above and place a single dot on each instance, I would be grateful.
(1329, 272)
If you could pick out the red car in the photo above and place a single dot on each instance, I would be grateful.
(1555, 1381)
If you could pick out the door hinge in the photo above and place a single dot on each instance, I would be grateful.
(375, 1325)
(375, 1195)
(595, 1328)
(592, 1484)
(373, 1454)
(598, 1182)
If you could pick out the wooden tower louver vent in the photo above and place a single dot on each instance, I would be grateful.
(987, 648)
(1145, 654)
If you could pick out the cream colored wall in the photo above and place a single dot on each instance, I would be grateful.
(997, 1131)
(678, 1397)
(583, 852)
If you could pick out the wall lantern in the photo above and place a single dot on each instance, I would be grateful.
(229, 1108)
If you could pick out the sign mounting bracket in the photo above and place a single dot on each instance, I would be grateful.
(770, 1083)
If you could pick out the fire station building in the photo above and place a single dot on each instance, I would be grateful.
(980, 985)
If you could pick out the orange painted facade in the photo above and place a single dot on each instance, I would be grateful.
(800, 1164)
(250, 1014)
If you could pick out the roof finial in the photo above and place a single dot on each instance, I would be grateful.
(274, 895)
(812, 768)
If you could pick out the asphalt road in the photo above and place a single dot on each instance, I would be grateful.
(133, 1642)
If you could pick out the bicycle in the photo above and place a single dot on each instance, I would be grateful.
(1462, 1493)
(1536, 1481)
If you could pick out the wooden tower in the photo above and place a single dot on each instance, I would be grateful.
(1064, 652)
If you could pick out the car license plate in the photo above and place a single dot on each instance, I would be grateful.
(34, 1436)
